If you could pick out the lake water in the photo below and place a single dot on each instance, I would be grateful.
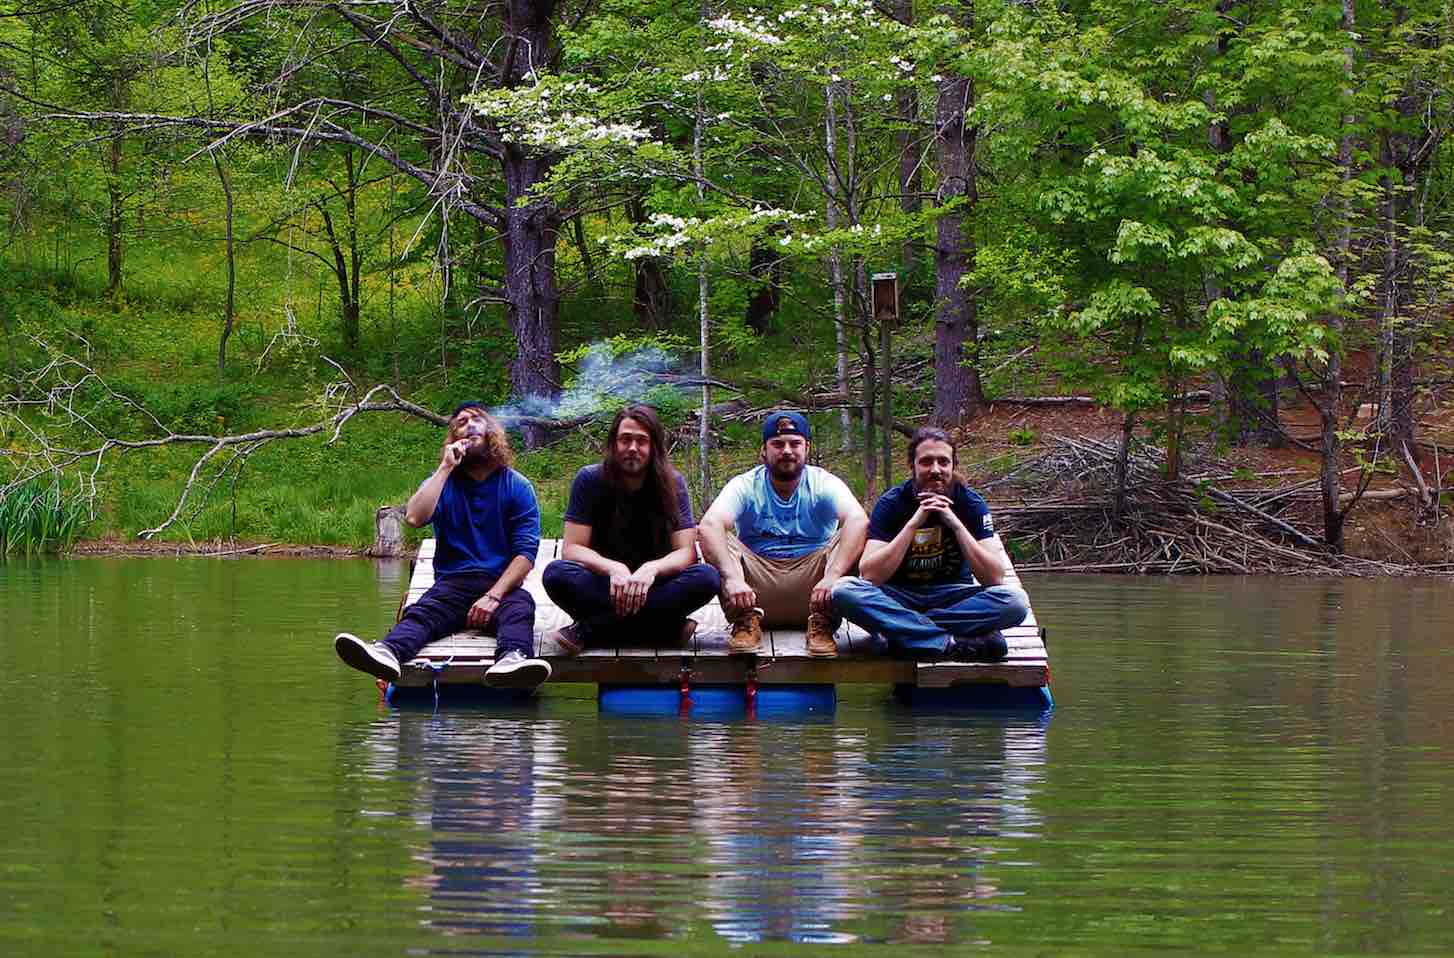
(1234, 764)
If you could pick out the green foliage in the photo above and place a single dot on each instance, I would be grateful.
(672, 405)
(204, 408)
(1118, 249)
(1022, 436)
(36, 516)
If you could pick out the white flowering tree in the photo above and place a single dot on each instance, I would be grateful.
(801, 138)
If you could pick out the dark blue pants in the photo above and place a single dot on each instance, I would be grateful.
(586, 596)
(441, 611)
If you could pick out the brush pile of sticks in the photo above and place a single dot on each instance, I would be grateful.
(1188, 526)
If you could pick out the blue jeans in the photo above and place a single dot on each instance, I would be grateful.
(926, 619)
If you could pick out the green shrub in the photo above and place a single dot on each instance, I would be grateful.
(36, 516)
(203, 408)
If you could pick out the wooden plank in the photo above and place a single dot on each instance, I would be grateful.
(941, 675)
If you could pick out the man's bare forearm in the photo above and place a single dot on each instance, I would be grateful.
(713, 539)
(420, 506)
(677, 560)
(590, 558)
(513, 575)
(880, 562)
(850, 547)
(984, 561)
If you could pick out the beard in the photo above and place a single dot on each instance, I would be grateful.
(942, 487)
(480, 452)
(631, 466)
(786, 471)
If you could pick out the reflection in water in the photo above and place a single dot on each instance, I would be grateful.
(810, 832)
(1235, 765)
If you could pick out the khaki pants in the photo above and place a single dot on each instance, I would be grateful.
(783, 586)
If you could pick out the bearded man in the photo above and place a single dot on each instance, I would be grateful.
(931, 578)
(779, 533)
(629, 557)
(487, 530)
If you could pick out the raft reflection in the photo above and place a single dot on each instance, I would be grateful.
(885, 830)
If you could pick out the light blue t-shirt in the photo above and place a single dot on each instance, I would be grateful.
(785, 528)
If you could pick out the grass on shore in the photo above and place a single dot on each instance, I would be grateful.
(36, 516)
(157, 344)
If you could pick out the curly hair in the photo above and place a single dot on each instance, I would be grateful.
(496, 450)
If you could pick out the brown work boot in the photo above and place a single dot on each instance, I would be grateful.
(820, 636)
(746, 633)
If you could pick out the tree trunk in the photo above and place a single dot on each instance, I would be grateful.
(957, 388)
(115, 213)
(1331, 401)
(1253, 404)
(651, 296)
(871, 371)
(355, 304)
(1123, 461)
(531, 228)
(230, 313)
(588, 263)
(704, 425)
(765, 267)
(835, 266)
(347, 304)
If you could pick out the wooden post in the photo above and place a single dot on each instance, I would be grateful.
(388, 533)
(886, 312)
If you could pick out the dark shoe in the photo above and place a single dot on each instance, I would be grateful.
(514, 671)
(820, 637)
(990, 647)
(569, 639)
(689, 629)
(746, 633)
(371, 657)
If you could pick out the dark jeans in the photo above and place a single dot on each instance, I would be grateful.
(441, 611)
(586, 596)
(925, 619)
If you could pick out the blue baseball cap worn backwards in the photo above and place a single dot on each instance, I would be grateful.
(786, 422)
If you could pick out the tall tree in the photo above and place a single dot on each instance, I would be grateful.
(957, 388)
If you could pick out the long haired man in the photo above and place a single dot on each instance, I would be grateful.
(487, 530)
(931, 579)
(629, 551)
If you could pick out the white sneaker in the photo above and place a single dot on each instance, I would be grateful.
(514, 671)
(371, 657)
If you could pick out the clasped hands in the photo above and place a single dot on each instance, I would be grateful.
(628, 589)
(932, 503)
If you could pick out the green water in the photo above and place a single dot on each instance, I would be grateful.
(1235, 765)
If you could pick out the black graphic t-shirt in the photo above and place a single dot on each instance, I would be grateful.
(934, 557)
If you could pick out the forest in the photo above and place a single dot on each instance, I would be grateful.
(1179, 273)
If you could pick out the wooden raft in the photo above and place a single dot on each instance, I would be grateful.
(783, 658)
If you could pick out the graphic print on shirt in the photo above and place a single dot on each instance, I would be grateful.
(934, 556)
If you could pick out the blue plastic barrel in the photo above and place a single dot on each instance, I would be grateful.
(717, 701)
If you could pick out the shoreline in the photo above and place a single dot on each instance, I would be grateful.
(112, 547)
